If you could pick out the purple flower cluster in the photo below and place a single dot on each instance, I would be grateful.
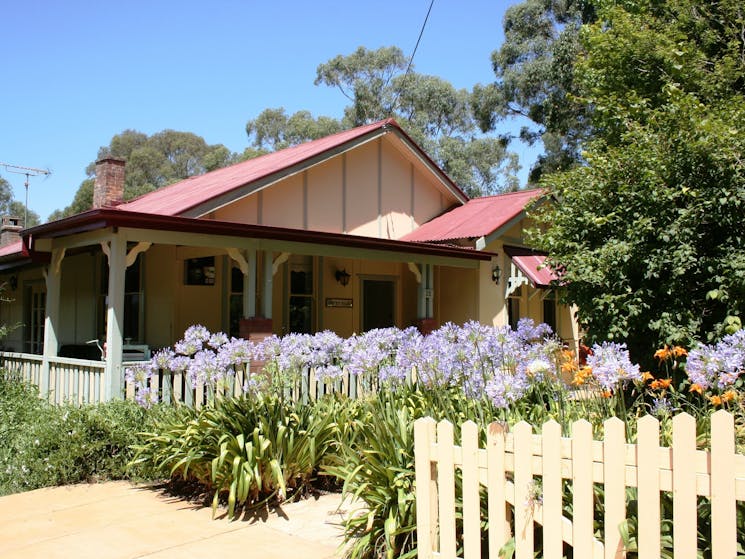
(208, 360)
(717, 365)
(480, 360)
(610, 364)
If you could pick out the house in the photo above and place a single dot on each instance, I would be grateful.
(354, 231)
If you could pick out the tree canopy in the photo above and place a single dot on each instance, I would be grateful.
(152, 162)
(436, 115)
(648, 234)
(15, 208)
(534, 71)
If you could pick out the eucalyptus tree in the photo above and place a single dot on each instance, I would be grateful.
(433, 112)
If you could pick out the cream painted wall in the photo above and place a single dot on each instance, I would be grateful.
(11, 311)
(244, 210)
(282, 203)
(78, 299)
(361, 208)
(375, 190)
(196, 304)
(326, 196)
(458, 294)
(162, 276)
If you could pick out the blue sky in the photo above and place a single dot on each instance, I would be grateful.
(76, 73)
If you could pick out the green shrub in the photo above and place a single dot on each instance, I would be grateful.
(46, 445)
(247, 449)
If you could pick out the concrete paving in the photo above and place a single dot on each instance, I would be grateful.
(118, 520)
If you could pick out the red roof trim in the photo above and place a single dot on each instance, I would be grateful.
(479, 217)
(532, 263)
(109, 217)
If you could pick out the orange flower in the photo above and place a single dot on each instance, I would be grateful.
(660, 384)
(679, 351)
(606, 394)
(647, 376)
(568, 361)
(729, 395)
(582, 375)
(663, 354)
(696, 388)
(715, 400)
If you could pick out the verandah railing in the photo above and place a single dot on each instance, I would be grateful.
(173, 387)
(525, 478)
(70, 380)
(83, 381)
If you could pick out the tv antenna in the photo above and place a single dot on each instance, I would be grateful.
(29, 172)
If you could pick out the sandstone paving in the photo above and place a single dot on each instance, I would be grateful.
(119, 520)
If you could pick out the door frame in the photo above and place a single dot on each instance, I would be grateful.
(395, 280)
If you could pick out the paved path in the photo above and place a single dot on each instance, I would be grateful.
(117, 520)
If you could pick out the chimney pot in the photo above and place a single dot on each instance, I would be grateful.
(108, 188)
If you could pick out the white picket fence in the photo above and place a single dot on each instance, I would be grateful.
(174, 387)
(83, 381)
(523, 475)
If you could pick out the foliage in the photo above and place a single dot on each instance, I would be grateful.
(648, 233)
(45, 445)
(152, 162)
(534, 71)
(378, 86)
(247, 449)
(15, 208)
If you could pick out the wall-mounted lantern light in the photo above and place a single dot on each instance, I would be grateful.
(342, 276)
(13, 282)
(495, 274)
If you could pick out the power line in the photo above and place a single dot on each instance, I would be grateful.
(411, 58)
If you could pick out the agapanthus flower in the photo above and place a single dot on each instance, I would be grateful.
(217, 339)
(162, 359)
(720, 364)
(611, 364)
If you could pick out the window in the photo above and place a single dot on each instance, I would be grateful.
(301, 318)
(549, 311)
(199, 271)
(134, 313)
(513, 307)
(36, 299)
(235, 301)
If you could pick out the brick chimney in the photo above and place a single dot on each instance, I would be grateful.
(108, 189)
(10, 230)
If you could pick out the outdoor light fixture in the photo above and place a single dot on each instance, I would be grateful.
(495, 273)
(13, 282)
(342, 276)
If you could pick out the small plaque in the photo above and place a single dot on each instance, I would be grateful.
(339, 303)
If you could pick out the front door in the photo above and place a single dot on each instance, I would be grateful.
(378, 303)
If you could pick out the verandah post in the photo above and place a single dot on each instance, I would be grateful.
(115, 317)
(53, 280)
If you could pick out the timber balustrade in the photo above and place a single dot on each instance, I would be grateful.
(83, 381)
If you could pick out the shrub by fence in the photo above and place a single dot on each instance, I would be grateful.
(525, 477)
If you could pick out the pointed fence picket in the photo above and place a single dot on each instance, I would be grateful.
(524, 475)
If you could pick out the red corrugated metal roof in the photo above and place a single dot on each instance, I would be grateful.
(12, 248)
(532, 265)
(477, 218)
(178, 198)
